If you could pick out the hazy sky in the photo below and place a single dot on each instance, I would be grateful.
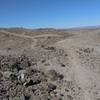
(49, 13)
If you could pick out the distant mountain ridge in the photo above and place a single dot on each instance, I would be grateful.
(47, 28)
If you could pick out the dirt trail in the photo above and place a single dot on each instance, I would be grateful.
(17, 35)
(34, 38)
(29, 37)
(81, 75)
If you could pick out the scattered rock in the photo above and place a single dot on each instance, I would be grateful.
(13, 77)
(51, 87)
(62, 65)
(53, 75)
(7, 74)
(31, 82)
(21, 76)
(27, 97)
(50, 48)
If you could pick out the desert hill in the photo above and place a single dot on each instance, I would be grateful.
(50, 64)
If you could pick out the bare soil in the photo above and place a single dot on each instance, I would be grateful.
(49, 64)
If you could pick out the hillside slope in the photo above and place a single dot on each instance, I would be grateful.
(49, 64)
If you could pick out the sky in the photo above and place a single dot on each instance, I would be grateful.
(49, 13)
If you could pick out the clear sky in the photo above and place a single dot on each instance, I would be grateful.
(49, 13)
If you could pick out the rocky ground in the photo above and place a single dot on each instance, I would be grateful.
(49, 64)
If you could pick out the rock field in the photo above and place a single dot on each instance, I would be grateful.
(49, 64)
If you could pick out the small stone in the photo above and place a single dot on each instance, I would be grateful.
(61, 95)
(7, 74)
(52, 75)
(27, 97)
(21, 75)
(62, 65)
(31, 82)
(13, 77)
(51, 87)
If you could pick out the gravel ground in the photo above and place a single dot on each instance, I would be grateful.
(37, 65)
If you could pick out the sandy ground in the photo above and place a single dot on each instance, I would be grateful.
(65, 66)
